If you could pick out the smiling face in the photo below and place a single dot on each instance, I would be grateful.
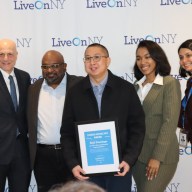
(56, 68)
(185, 56)
(96, 67)
(145, 63)
(8, 55)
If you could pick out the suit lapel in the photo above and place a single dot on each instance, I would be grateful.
(3, 84)
(19, 84)
(68, 82)
(151, 97)
(5, 91)
(35, 94)
(34, 100)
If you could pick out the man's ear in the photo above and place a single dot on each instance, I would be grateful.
(108, 61)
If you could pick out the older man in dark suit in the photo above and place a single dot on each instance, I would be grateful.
(45, 110)
(14, 154)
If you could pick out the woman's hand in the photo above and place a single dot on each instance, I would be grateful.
(152, 169)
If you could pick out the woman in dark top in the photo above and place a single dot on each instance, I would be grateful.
(185, 119)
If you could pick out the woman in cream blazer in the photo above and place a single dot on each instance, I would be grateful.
(160, 96)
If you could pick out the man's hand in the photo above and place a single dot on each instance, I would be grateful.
(77, 172)
(125, 167)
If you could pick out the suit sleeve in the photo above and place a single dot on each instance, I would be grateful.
(68, 135)
(136, 129)
(171, 109)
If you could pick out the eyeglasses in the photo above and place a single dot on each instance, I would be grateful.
(52, 66)
(95, 58)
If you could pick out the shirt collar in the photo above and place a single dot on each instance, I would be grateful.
(141, 81)
(6, 75)
(158, 80)
(102, 83)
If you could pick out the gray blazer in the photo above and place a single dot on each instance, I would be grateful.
(161, 107)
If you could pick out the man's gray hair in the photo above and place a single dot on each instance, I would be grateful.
(77, 186)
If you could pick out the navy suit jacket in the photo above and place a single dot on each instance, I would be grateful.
(119, 101)
(32, 112)
(10, 120)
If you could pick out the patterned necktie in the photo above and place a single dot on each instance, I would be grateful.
(13, 92)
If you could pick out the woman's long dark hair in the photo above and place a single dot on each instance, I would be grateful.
(186, 45)
(158, 55)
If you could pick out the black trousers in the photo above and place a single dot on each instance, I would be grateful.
(114, 183)
(50, 168)
(17, 172)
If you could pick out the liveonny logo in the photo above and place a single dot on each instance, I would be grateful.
(33, 79)
(23, 42)
(175, 2)
(185, 151)
(95, 4)
(39, 5)
(128, 77)
(76, 41)
(172, 187)
(161, 39)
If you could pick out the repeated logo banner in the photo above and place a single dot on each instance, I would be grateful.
(93, 4)
(76, 41)
(160, 39)
(39, 5)
(175, 2)
(69, 26)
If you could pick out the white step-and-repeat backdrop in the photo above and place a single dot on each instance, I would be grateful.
(70, 25)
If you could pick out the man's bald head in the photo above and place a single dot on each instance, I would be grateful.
(8, 55)
(53, 67)
(52, 54)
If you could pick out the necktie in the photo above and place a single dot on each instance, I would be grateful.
(13, 92)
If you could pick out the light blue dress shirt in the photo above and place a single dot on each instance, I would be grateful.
(98, 91)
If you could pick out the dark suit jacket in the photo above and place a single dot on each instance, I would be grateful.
(119, 101)
(187, 113)
(32, 111)
(9, 119)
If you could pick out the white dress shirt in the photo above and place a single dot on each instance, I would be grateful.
(144, 90)
(50, 112)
